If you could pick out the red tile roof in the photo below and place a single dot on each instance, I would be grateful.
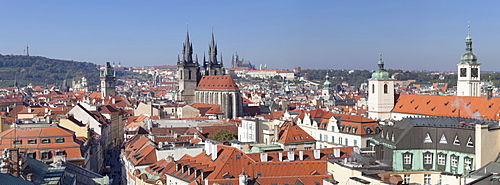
(217, 82)
(454, 106)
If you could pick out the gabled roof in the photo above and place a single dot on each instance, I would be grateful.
(217, 82)
(293, 133)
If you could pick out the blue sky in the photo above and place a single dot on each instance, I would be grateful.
(412, 35)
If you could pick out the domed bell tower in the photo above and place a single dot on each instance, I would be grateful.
(469, 72)
(380, 93)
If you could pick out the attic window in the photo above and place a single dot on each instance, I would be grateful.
(401, 106)
(31, 141)
(468, 104)
(469, 142)
(412, 101)
(443, 140)
(446, 104)
(489, 106)
(416, 107)
(433, 108)
(45, 140)
(60, 140)
(427, 138)
(456, 141)
(453, 111)
(428, 102)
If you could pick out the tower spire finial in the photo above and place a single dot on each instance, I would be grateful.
(468, 28)
(380, 56)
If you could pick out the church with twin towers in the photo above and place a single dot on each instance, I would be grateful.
(207, 83)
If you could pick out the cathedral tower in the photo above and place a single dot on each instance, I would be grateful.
(188, 72)
(469, 73)
(212, 66)
(381, 93)
(108, 81)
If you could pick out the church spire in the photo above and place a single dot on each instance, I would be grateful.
(187, 50)
(468, 57)
(212, 49)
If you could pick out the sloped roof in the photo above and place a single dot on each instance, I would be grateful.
(293, 133)
(217, 82)
(452, 106)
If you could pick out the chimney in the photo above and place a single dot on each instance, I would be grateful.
(243, 178)
(14, 162)
(276, 133)
(316, 154)
(336, 152)
(214, 152)
(490, 91)
(263, 157)
(29, 109)
(280, 156)
(291, 156)
(46, 110)
(301, 155)
(113, 101)
(208, 148)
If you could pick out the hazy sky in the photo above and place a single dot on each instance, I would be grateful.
(412, 35)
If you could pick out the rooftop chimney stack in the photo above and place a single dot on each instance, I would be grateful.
(214, 152)
(336, 152)
(291, 156)
(263, 157)
(316, 154)
(301, 155)
(280, 156)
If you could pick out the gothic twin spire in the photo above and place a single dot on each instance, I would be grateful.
(188, 51)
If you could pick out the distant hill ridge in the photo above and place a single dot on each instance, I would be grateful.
(41, 70)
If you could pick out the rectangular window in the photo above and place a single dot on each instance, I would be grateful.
(17, 142)
(321, 137)
(326, 138)
(355, 142)
(467, 163)
(407, 159)
(45, 140)
(59, 152)
(441, 159)
(45, 155)
(454, 161)
(406, 179)
(428, 158)
(333, 139)
(340, 140)
(60, 140)
(427, 179)
(31, 141)
(238, 157)
(346, 142)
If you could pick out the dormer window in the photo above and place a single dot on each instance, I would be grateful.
(427, 138)
(443, 140)
(45, 140)
(456, 141)
(60, 140)
(469, 142)
(31, 141)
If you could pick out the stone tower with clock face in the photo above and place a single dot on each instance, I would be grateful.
(108, 81)
(469, 72)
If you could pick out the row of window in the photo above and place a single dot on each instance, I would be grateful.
(34, 141)
(443, 140)
(427, 179)
(341, 141)
(44, 154)
(441, 160)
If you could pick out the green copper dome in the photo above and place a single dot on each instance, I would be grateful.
(468, 57)
(381, 73)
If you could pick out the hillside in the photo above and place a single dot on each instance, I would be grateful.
(41, 70)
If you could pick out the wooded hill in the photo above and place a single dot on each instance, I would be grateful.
(39, 70)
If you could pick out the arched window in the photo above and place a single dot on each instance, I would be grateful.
(373, 88)
(385, 88)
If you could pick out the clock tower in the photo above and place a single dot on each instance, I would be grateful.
(469, 72)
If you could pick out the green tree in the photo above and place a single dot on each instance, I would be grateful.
(223, 135)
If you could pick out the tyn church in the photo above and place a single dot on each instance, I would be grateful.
(210, 85)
